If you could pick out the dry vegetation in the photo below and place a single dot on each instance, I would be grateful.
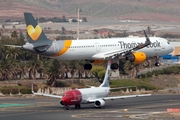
(159, 10)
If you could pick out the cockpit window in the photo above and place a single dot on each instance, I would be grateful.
(67, 95)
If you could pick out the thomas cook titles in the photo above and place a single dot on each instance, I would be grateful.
(124, 45)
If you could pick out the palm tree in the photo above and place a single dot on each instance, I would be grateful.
(6, 68)
(33, 65)
(80, 68)
(21, 69)
(65, 69)
(63, 30)
(53, 70)
(14, 52)
(14, 34)
(0, 34)
(132, 68)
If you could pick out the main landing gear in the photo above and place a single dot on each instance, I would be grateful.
(78, 106)
(114, 66)
(87, 66)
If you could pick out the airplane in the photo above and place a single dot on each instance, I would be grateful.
(96, 95)
(136, 50)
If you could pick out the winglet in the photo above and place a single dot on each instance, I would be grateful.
(147, 42)
(107, 76)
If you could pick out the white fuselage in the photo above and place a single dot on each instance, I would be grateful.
(86, 49)
(93, 93)
(95, 48)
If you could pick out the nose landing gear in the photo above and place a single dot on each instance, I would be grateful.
(67, 107)
(157, 64)
(157, 61)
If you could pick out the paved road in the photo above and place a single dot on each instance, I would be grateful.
(37, 108)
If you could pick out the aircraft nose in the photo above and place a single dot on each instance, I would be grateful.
(171, 48)
(65, 100)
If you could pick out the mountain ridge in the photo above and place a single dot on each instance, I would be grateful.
(159, 10)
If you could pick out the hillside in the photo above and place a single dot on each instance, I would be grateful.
(159, 10)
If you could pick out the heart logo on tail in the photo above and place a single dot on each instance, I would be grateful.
(34, 33)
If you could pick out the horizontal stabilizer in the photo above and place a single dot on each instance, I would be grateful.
(15, 46)
(122, 87)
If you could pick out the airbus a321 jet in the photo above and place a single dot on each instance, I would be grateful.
(136, 50)
(96, 95)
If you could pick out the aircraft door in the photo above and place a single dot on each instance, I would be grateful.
(162, 44)
(97, 47)
(56, 48)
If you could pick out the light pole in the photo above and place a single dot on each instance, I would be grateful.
(78, 10)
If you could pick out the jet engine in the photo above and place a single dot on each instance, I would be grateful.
(61, 103)
(99, 103)
(136, 57)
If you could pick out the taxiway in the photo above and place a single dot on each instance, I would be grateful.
(37, 108)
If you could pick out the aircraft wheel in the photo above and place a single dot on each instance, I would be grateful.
(87, 66)
(78, 106)
(114, 66)
(67, 108)
(157, 64)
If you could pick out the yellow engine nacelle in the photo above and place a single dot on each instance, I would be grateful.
(136, 57)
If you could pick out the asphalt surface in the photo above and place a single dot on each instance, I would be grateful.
(43, 108)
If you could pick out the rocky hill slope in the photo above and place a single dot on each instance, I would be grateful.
(159, 10)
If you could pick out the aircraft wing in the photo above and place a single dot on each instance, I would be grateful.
(109, 54)
(46, 95)
(119, 97)
(117, 53)
(14, 46)
(125, 96)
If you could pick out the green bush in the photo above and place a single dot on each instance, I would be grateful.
(139, 83)
(5, 91)
(168, 70)
(15, 90)
(149, 74)
(142, 76)
(25, 90)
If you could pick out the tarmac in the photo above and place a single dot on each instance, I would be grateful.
(153, 107)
